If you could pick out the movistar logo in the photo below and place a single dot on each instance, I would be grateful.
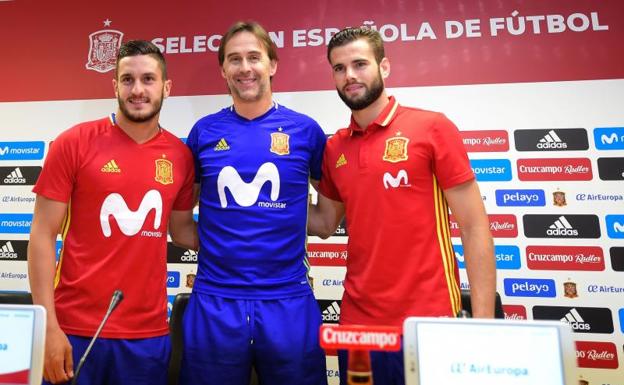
(130, 222)
(246, 194)
(390, 180)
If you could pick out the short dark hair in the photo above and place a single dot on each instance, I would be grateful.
(350, 34)
(257, 30)
(141, 47)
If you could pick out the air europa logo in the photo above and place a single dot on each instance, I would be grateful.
(130, 222)
(246, 194)
(556, 139)
(485, 141)
(554, 169)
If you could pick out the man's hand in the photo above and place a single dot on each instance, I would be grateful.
(58, 363)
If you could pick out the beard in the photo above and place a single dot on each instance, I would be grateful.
(371, 94)
(141, 117)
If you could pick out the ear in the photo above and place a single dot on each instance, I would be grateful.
(222, 73)
(384, 67)
(115, 90)
(273, 67)
(167, 88)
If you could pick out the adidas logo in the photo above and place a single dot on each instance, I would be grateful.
(332, 313)
(562, 227)
(575, 320)
(551, 140)
(15, 177)
(222, 145)
(7, 251)
(189, 256)
(111, 166)
(341, 161)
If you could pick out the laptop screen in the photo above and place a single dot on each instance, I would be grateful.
(483, 352)
(21, 344)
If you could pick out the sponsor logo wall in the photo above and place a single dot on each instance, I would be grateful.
(536, 90)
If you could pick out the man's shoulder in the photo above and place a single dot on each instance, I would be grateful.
(295, 116)
(214, 117)
(91, 128)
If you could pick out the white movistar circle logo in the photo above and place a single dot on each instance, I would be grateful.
(391, 181)
(246, 194)
(130, 222)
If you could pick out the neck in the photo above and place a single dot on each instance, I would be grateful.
(252, 109)
(140, 132)
(366, 116)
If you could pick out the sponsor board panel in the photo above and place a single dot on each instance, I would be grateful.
(554, 169)
(13, 250)
(485, 141)
(491, 170)
(587, 258)
(581, 319)
(529, 287)
(611, 168)
(615, 226)
(520, 197)
(327, 254)
(515, 312)
(557, 139)
(617, 258)
(609, 138)
(501, 226)
(561, 226)
(594, 354)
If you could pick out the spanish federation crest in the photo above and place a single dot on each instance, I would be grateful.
(569, 289)
(104, 46)
(164, 171)
(279, 143)
(396, 149)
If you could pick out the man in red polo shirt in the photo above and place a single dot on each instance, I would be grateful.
(395, 172)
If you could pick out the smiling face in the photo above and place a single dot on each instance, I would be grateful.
(358, 76)
(247, 68)
(140, 88)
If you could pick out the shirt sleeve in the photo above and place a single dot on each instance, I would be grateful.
(450, 160)
(58, 175)
(191, 143)
(184, 199)
(318, 141)
(327, 187)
